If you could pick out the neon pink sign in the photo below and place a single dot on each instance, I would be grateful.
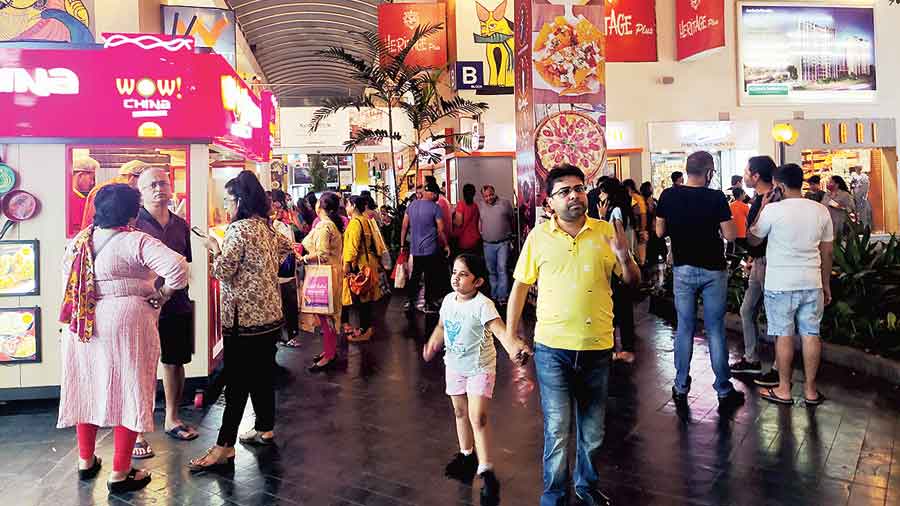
(136, 86)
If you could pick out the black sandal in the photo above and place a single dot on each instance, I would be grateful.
(129, 484)
(91, 472)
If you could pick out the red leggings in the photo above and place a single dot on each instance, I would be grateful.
(123, 443)
(329, 337)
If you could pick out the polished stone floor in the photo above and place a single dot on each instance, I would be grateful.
(379, 430)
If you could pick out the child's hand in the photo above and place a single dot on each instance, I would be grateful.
(431, 348)
(520, 352)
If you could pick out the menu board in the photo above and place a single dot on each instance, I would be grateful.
(19, 268)
(20, 336)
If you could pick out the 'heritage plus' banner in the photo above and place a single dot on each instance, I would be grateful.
(631, 31)
(397, 22)
(699, 26)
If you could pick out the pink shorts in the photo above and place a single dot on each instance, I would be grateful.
(479, 384)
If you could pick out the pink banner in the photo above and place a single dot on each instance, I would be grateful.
(137, 86)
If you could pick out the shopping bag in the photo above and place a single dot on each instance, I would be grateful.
(318, 295)
(400, 276)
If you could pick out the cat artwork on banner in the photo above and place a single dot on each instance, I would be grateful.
(498, 38)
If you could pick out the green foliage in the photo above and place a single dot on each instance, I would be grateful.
(865, 288)
(318, 173)
(390, 82)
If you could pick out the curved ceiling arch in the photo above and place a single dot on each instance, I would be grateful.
(285, 36)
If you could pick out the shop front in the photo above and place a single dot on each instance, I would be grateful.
(838, 147)
(79, 117)
(731, 144)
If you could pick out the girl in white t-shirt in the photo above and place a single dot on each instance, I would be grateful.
(466, 328)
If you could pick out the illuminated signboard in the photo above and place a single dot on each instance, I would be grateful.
(136, 86)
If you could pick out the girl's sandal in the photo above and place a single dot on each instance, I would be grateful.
(197, 465)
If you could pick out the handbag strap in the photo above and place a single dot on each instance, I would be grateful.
(362, 231)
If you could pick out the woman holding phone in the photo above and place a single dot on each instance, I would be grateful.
(247, 266)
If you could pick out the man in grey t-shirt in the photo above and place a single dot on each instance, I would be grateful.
(496, 226)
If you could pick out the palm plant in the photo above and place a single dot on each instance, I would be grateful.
(389, 82)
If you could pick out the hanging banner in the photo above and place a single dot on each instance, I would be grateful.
(631, 31)
(699, 27)
(560, 93)
(397, 22)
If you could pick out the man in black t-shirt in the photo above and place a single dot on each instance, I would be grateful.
(698, 220)
(758, 175)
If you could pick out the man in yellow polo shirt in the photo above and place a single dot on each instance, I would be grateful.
(572, 258)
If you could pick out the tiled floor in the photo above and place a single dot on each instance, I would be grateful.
(379, 431)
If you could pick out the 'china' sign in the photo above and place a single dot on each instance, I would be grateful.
(631, 31)
(137, 86)
(397, 22)
(699, 26)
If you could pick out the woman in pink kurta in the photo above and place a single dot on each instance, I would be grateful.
(110, 347)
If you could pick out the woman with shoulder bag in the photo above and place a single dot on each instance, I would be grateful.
(323, 246)
(360, 286)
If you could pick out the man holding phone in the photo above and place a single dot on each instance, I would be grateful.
(176, 329)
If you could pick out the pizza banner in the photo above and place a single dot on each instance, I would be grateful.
(560, 90)
(397, 22)
(631, 31)
(699, 27)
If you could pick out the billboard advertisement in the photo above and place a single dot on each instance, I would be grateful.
(210, 27)
(806, 54)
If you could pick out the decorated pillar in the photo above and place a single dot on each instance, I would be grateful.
(560, 94)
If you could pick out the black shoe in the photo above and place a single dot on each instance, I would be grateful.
(431, 309)
(91, 472)
(318, 357)
(462, 467)
(733, 400)
(490, 489)
(769, 379)
(593, 497)
(679, 398)
(129, 484)
(322, 368)
(744, 367)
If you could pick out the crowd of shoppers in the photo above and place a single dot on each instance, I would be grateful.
(128, 308)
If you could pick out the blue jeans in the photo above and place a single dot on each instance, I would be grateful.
(712, 286)
(570, 379)
(497, 257)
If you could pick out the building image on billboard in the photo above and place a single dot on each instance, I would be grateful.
(806, 54)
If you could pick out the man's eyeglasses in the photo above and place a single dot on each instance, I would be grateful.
(155, 185)
(567, 190)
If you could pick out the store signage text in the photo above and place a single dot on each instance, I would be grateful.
(630, 30)
(247, 114)
(700, 25)
(146, 106)
(622, 24)
(843, 133)
(398, 22)
(41, 82)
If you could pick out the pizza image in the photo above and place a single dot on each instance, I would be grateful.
(573, 138)
(568, 56)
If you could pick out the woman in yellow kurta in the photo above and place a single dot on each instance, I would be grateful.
(323, 246)
(360, 249)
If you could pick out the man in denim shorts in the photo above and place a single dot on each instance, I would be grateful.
(798, 274)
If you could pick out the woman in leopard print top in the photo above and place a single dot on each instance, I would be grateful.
(247, 266)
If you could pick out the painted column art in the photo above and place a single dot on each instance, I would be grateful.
(46, 20)
(560, 94)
